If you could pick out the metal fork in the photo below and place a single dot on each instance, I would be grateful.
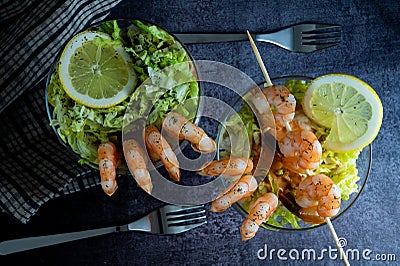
(301, 38)
(166, 220)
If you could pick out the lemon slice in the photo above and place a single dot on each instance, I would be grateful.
(346, 105)
(96, 75)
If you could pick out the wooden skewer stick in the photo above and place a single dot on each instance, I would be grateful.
(264, 70)
(259, 60)
(335, 237)
(288, 128)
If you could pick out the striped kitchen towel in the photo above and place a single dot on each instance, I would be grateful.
(34, 166)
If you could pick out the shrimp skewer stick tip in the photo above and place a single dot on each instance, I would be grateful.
(335, 237)
(259, 60)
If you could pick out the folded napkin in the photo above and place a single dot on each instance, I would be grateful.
(35, 166)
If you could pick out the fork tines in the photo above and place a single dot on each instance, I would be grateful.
(185, 215)
(321, 34)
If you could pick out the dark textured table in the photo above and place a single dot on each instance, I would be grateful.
(369, 50)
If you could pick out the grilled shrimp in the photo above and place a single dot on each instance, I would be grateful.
(107, 158)
(318, 196)
(180, 127)
(243, 188)
(136, 160)
(228, 166)
(301, 151)
(283, 105)
(157, 145)
(260, 210)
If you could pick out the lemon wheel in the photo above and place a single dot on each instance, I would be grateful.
(95, 73)
(348, 106)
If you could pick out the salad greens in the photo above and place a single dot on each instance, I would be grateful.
(152, 49)
(341, 167)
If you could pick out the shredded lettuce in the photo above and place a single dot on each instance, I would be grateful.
(152, 49)
(340, 167)
(240, 124)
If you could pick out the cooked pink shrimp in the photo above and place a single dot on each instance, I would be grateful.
(243, 188)
(180, 127)
(136, 160)
(228, 166)
(301, 151)
(319, 191)
(107, 158)
(157, 145)
(283, 104)
(260, 210)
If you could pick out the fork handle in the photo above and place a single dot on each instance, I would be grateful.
(282, 38)
(210, 37)
(22, 244)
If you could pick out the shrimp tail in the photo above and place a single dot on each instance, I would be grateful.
(136, 161)
(205, 145)
(232, 166)
(107, 158)
(179, 127)
(157, 145)
(260, 211)
(242, 188)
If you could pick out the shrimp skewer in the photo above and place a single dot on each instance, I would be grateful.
(180, 127)
(260, 210)
(331, 228)
(232, 166)
(160, 148)
(136, 161)
(107, 158)
(243, 188)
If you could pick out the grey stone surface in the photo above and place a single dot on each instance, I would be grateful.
(369, 51)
